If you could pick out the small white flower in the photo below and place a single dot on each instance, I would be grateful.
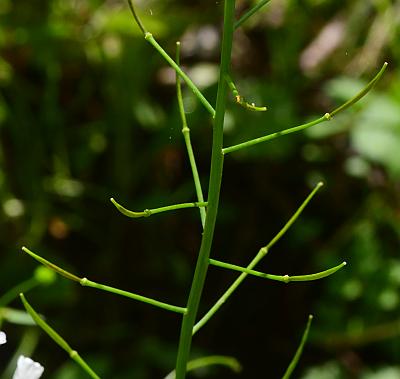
(28, 369)
(3, 338)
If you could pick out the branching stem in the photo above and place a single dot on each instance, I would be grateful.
(149, 37)
(88, 283)
(250, 12)
(325, 117)
(260, 255)
(213, 196)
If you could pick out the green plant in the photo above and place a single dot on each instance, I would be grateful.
(208, 208)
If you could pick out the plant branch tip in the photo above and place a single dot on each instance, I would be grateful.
(280, 278)
(326, 117)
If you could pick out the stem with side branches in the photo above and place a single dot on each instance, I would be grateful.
(217, 159)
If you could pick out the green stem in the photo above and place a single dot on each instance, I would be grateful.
(13, 293)
(149, 37)
(222, 360)
(58, 339)
(213, 196)
(299, 350)
(136, 17)
(261, 254)
(250, 12)
(149, 212)
(362, 93)
(188, 142)
(272, 136)
(325, 117)
(88, 283)
(51, 266)
(279, 278)
(212, 360)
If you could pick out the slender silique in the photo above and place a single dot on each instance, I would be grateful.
(188, 141)
(73, 354)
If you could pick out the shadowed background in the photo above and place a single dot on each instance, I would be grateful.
(88, 110)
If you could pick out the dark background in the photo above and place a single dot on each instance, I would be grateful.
(88, 111)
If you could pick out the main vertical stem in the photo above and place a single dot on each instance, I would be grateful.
(217, 160)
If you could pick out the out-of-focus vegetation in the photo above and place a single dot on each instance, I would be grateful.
(88, 111)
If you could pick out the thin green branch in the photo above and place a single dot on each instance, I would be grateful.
(250, 12)
(188, 143)
(325, 117)
(362, 93)
(13, 293)
(295, 216)
(299, 350)
(279, 278)
(149, 37)
(212, 360)
(136, 17)
(240, 99)
(58, 339)
(88, 283)
(260, 255)
(272, 136)
(51, 266)
(41, 276)
(149, 212)
(214, 188)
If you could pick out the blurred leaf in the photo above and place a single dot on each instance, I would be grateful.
(16, 316)
(383, 373)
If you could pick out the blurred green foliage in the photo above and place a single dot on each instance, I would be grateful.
(88, 111)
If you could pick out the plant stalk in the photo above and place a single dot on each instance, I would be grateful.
(217, 159)
(260, 255)
(188, 142)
